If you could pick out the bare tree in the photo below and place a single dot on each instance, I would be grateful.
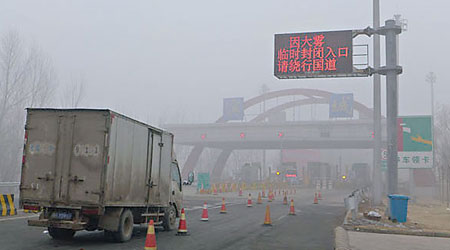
(74, 92)
(26, 80)
(41, 78)
(442, 149)
(12, 76)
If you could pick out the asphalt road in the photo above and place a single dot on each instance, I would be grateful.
(240, 228)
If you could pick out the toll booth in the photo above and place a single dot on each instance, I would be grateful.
(250, 172)
(360, 174)
(321, 175)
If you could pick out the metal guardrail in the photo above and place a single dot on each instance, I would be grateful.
(353, 200)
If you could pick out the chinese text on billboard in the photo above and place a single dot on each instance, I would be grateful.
(299, 55)
(415, 142)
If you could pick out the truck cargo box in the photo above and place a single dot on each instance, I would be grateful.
(94, 157)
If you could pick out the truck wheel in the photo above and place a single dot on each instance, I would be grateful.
(109, 235)
(61, 233)
(170, 218)
(125, 227)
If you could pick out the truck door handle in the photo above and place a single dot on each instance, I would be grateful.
(77, 179)
(150, 184)
(47, 177)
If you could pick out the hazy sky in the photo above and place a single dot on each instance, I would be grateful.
(147, 58)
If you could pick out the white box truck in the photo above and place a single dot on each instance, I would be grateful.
(93, 169)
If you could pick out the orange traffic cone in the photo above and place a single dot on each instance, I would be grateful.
(285, 200)
(291, 208)
(182, 228)
(223, 209)
(249, 201)
(267, 220)
(150, 240)
(205, 212)
(319, 196)
(240, 191)
(316, 201)
(259, 199)
(270, 197)
(263, 194)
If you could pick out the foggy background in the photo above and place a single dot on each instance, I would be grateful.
(169, 58)
(174, 61)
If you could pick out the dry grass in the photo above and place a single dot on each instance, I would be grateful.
(426, 215)
(430, 215)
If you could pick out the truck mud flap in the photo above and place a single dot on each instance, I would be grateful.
(57, 224)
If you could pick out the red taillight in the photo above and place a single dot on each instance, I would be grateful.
(25, 140)
(89, 211)
(291, 175)
(31, 207)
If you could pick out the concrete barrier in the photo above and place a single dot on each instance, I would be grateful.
(341, 241)
(7, 205)
(11, 188)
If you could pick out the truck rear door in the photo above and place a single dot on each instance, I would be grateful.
(87, 158)
(160, 178)
(64, 157)
(154, 182)
(165, 186)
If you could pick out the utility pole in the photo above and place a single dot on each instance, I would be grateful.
(264, 90)
(431, 79)
(376, 170)
(403, 23)
(391, 70)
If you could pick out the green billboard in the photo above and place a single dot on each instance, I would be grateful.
(415, 142)
(203, 181)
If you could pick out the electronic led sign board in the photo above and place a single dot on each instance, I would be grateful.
(315, 54)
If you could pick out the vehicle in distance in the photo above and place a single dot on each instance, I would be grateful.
(93, 169)
(289, 173)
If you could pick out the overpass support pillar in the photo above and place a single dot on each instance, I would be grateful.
(191, 161)
(220, 164)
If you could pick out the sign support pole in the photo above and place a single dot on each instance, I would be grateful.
(391, 70)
